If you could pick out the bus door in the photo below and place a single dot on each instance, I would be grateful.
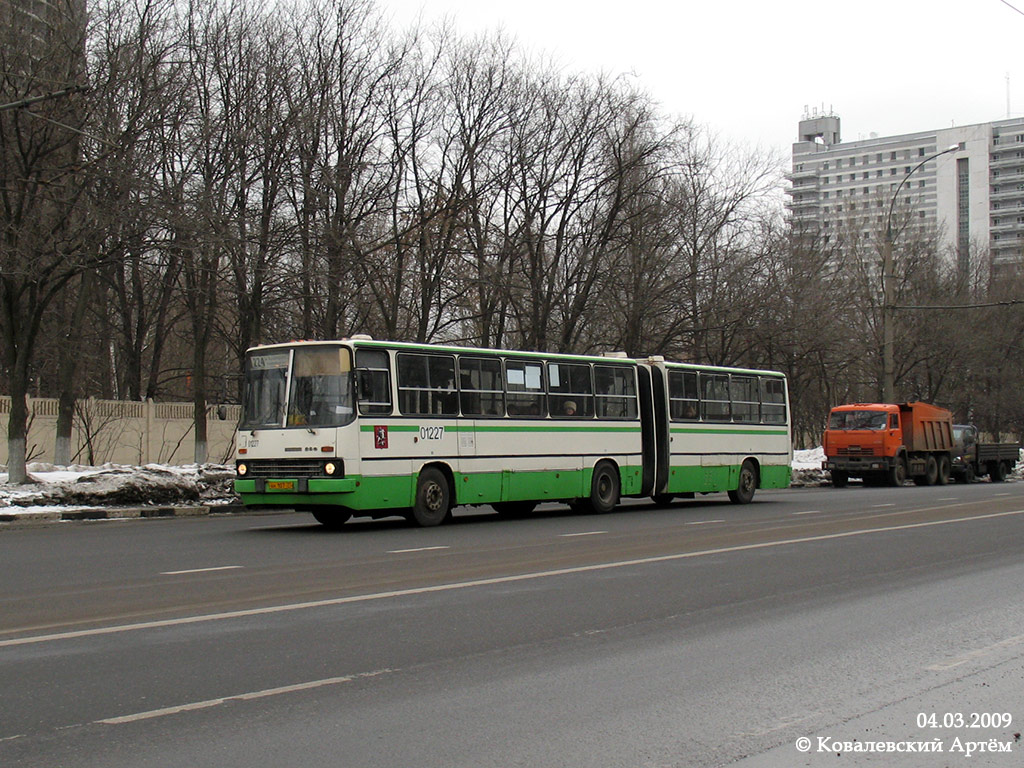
(648, 427)
(662, 437)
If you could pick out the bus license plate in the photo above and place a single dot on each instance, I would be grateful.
(281, 485)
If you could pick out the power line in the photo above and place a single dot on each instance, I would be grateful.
(46, 96)
(1008, 303)
(1018, 10)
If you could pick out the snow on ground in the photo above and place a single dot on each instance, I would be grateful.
(807, 469)
(113, 485)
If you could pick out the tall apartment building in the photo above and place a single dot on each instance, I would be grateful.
(972, 197)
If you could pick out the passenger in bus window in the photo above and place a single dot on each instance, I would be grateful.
(569, 408)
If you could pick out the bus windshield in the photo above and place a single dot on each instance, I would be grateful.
(266, 375)
(858, 420)
(317, 382)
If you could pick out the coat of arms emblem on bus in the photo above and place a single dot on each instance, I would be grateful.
(380, 436)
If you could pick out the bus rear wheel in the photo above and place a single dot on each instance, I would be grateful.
(433, 498)
(744, 492)
(604, 490)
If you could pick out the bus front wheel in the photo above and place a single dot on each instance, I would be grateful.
(433, 498)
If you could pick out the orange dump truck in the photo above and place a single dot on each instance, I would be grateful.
(886, 443)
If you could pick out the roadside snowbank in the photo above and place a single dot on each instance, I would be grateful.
(116, 485)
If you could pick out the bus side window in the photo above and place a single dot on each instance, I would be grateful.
(373, 381)
(571, 391)
(682, 396)
(481, 387)
(426, 385)
(773, 401)
(524, 383)
(745, 399)
(715, 396)
(615, 392)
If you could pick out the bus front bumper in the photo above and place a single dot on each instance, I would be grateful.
(264, 485)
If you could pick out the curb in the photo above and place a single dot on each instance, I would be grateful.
(78, 514)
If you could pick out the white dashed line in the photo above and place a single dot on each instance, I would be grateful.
(202, 570)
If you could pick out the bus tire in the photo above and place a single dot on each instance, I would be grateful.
(744, 492)
(604, 489)
(663, 499)
(331, 518)
(433, 498)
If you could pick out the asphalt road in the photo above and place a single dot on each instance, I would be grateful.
(699, 634)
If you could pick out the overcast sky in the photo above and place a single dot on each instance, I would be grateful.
(749, 68)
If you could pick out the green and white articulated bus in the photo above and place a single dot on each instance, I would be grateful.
(377, 428)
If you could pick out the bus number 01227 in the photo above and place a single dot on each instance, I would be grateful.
(431, 433)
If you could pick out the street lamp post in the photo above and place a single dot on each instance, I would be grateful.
(888, 310)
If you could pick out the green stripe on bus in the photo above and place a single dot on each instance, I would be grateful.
(504, 428)
(724, 431)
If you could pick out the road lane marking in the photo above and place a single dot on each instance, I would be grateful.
(703, 522)
(202, 570)
(416, 549)
(808, 512)
(451, 586)
(583, 533)
(881, 506)
(251, 696)
(956, 661)
(949, 498)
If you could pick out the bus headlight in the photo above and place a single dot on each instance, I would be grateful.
(241, 468)
(330, 468)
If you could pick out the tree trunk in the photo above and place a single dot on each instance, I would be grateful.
(69, 357)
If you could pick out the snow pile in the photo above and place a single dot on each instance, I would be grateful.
(807, 469)
(119, 485)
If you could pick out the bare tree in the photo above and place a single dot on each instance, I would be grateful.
(43, 224)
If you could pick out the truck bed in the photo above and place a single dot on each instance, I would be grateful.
(998, 452)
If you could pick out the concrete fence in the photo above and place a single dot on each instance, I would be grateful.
(125, 432)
